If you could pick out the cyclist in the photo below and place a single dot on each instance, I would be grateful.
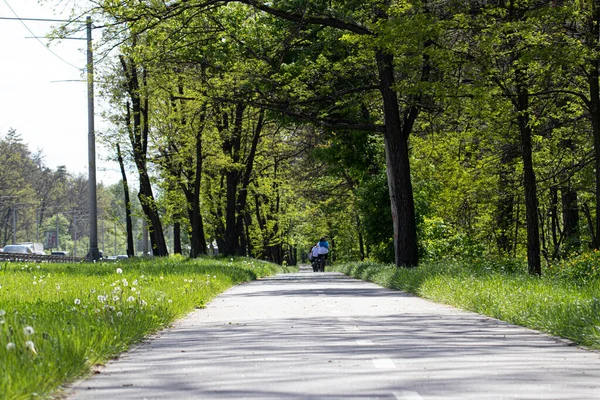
(314, 252)
(323, 250)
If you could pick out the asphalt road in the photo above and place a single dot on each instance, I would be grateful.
(326, 336)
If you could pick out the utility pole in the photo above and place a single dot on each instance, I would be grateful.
(93, 254)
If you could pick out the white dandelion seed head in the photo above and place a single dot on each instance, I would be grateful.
(101, 298)
(119, 271)
(10, 346)
(57, 287)
(143, 302)
(2, 321)
(170, 301)
(35, 282)
(135, 282)
(119, 314)
(28, 331)
(130, 299)
(133, 289)
(77, 301)
(2, 313)
(116, 298)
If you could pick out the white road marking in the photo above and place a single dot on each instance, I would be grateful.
(406, 395)
(384, 363)
(364, 342)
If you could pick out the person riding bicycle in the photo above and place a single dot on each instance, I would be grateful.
(323, 250)
(314, 257)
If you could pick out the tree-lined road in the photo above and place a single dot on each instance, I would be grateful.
(326, 336)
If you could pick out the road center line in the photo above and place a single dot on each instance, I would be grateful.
(407, 395)
(384, 363)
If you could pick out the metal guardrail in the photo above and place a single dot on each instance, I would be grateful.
(19, 257)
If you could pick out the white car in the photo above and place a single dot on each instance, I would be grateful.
(17, 248)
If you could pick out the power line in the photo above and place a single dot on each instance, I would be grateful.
(22, 20)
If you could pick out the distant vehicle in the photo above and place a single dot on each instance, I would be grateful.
(36, 248)
(122, 257)
(111, 258)
(59, 253)
(18, 249)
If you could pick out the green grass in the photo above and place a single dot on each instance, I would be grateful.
(58, 320)
(564, 303)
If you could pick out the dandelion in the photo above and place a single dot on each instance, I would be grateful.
(130, 299)
(77, 301)
(35, 282)
(2, 321)
(57, 287)
(170, 301)
(133, 289)
(119, 314)
(101, 298)
(30, 346)
(10, 346)
(214, 276)
(119, 271)
(144, 303)
(2, 313)
(28, 331)
(116, 298)
(135, 282)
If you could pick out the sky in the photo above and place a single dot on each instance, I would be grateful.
(43, 95)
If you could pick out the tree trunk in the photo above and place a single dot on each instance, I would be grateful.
(531, 201)
(198, 240)
(398, 166)
(231, 146)
(570, 211)
(138, 135)
(554, 218)
(593, 75)
(242, 197)
(177, 238)
(129, 223)
(594, 84)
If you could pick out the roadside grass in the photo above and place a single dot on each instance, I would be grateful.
(565, 302)
(58, 320)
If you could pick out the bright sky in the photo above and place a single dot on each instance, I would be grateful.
(43, 97)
